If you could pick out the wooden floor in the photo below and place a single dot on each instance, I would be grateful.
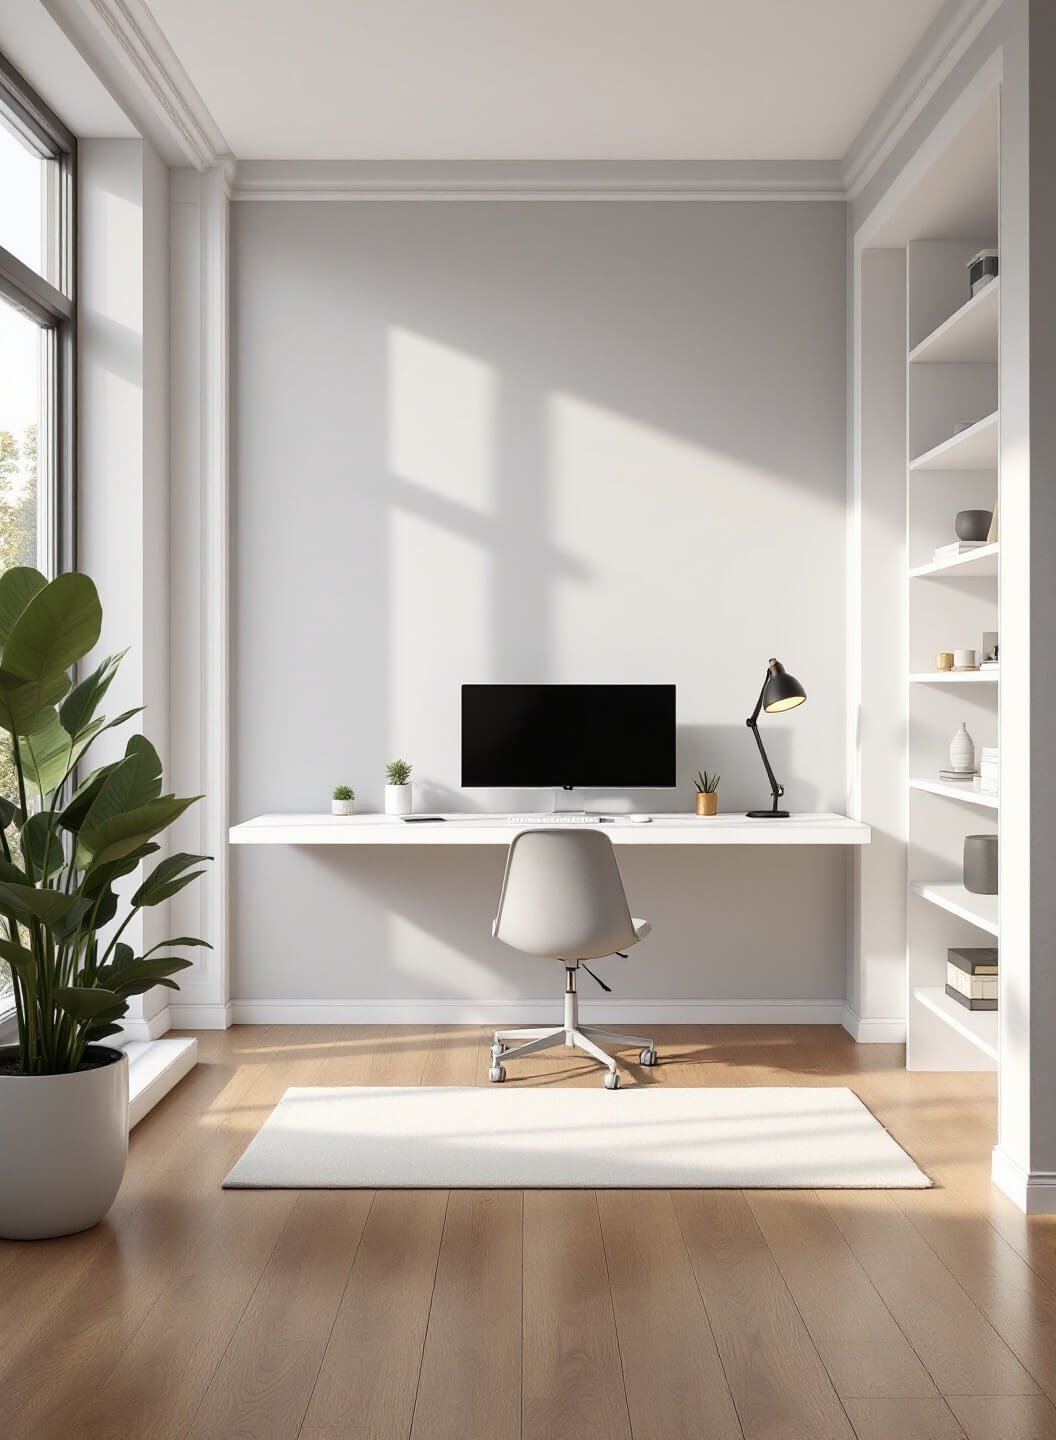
(904, 1315)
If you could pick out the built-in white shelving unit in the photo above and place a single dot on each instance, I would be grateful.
(983, 561)
(971, 449)
(989, 676)
(978, 1027)
(952, 431)
(956, 791)
(968, 336)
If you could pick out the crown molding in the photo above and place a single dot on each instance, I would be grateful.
(126, 47)
(943, 45)
(569, 180)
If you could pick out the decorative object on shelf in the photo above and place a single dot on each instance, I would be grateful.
(707, 793)
(973, 525)
(989, 781)
(780, 691)
(980, 864)
(982, 268)
(947, 776)
(65, 845)
(343, 800)
(944, 660)
(962, 752)
(971, 977)
(398, 789)
(994, 533)
(989, 649)
(965, 660)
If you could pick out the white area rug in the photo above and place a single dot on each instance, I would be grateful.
(497, 1137)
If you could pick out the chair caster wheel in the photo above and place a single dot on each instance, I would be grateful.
(497, 1074)
(612, 1080)
(648, 1057)
(498, 1050)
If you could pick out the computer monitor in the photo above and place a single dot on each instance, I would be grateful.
(560, 736)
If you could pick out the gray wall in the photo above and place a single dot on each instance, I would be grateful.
(536, 442)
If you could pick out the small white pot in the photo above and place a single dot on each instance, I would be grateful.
(64, 1142)
(397, 799)
(342, 807)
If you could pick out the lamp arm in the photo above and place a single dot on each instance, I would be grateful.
(776, 788)
(754, 716)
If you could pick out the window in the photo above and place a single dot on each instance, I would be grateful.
(37, 320)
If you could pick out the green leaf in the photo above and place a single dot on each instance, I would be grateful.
(60, 624)
(73, 816)
(27, 902)
(8, 811)
(48, 755)
(179, 940)
(167, 878)
(24, 704)
(98, 876)
(100, 1030)
(39, 837)
(21, 960)
(130, 785)
(82, 1002)
(17, 588)
(122, 833)
(80, 705)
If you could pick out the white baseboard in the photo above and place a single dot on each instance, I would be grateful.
(188, 1016)
(873, 1032)
(1034, 1192)
(151, 1029)
(500, 1012)
(154, 1067)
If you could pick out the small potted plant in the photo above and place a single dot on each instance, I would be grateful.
(707, 793)
(398, 789)
(343, 800)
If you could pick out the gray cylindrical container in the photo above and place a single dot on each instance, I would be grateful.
(980, 864)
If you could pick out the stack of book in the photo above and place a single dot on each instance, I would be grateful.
(958, 547)
(971, 978)
(988, 781)
(965, 777)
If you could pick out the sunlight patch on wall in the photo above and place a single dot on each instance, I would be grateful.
(441, 421)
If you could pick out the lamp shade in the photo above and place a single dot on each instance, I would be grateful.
(782, 691)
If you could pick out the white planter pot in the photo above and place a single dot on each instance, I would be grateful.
(342, 807)
(64, 1142)
(397, 799)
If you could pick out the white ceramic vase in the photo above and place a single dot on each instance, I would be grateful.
(64, 1142)
(342, 807)
(962, 751)
(397, 799)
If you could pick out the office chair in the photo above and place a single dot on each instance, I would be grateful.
(563, 899)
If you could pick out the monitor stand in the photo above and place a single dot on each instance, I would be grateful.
(563, 804)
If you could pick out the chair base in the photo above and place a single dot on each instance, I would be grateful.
(572, 1035)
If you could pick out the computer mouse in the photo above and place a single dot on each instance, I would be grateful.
(641, 819)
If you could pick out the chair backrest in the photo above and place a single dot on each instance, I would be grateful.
(562, 896)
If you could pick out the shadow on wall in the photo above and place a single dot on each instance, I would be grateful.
(535, 443)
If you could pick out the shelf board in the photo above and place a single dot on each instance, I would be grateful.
(980, 910)
(973, 449)
(969, 335)
(981, 562)
(958, 791)
(955, 677)
(978, 1027)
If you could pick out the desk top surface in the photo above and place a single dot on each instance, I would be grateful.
(476, 829)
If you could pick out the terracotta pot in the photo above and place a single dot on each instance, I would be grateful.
(707, 802)
(64, 1142)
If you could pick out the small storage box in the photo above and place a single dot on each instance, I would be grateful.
(982, 268)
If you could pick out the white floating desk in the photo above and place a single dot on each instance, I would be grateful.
(466, 829)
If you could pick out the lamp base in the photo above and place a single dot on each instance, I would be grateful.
(767, 814)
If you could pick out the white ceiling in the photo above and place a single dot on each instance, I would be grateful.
(542, 79)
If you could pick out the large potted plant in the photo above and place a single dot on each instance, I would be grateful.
(66, 838)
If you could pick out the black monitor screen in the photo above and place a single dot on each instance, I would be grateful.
(582, 735)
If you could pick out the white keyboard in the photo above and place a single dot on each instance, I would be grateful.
(553, 819)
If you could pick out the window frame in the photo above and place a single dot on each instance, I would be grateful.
(52, 307)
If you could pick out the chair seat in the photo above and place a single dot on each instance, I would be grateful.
(641, 927)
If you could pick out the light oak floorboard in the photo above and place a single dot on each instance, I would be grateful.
(904, 1420)
(1005, 1417)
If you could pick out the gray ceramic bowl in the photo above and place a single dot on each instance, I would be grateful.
(973, 524)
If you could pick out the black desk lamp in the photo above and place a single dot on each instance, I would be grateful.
(780, 691)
